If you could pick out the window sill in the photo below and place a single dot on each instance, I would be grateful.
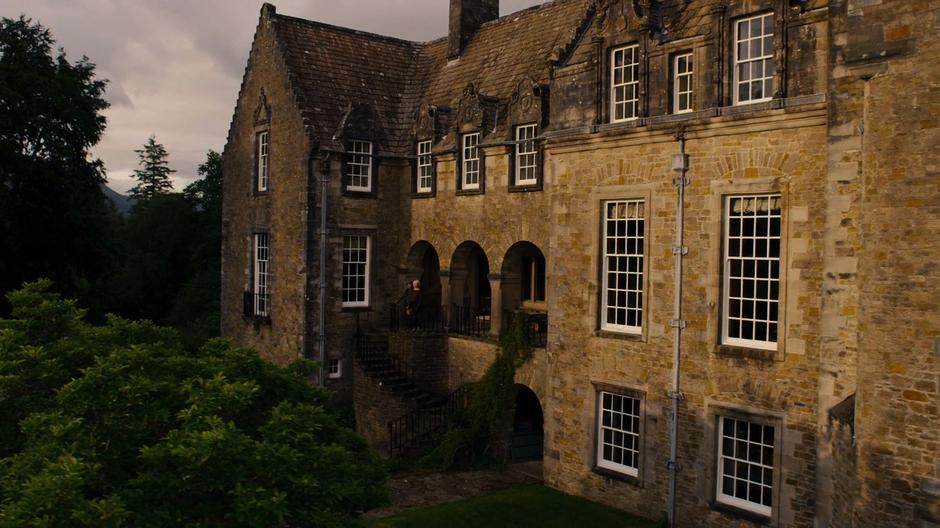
(528, 187)
(359, 194)
(257, 320)
(354, 309)
(741, 352)
(423, 195)
(616, 475)
(739, 512)
(469, 192)
(607, 334)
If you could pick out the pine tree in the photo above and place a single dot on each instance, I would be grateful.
(153, 177)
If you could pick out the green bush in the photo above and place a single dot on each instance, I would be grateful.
(121, 425)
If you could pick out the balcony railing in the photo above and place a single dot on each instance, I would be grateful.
(464, 320)
(537, 326)
(427, 319)
(257, 305)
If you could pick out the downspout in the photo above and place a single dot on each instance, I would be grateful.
(324, 277)
(680, 164)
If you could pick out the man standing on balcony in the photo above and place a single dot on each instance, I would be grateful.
(412, 303)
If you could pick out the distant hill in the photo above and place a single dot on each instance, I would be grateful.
(121, 202)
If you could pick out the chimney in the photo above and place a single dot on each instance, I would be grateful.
(466, 17)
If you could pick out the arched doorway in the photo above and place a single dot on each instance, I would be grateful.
(425, 265)
(527, 441)
(470, 291)
(522, 286)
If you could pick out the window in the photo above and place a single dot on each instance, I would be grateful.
(263, 162)
(470, 160)
(425, 167)
(754, 59)
(618, 433)
(262, 275)
(359, 166)
(752, 271)
(623, 266)
(334, 368)
(745, 464)
(356, 270)
(625, 83)
(526, 157)
(682, 84)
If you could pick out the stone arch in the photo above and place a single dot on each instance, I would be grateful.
(523, 280)
(469, 279)
(424, 264)
(527, 437)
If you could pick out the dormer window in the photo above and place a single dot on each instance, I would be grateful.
(425, 173)
(624, 83)
(526, 156)
(359, 166)
(470, 161)
(754, 59)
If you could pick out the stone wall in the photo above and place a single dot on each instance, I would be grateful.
(375, 406)
(281, 211)
(425, 359)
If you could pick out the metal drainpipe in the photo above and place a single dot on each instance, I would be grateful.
(324, 241)
(680, 164)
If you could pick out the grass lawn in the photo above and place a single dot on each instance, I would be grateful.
(535, 506)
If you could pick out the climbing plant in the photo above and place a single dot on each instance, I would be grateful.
(474, 434)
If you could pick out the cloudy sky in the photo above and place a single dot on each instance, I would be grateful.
(175, 66)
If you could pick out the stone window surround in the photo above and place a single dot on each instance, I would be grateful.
(512, 153)
(733, 58)
(370, 233)
(641, 60)
(415, 193)
(632, 391)
(599, 195)
(481, 156)
(373, 191)
(334, 373)
(257, 131)
(714, 410)
(721, 188)
(250, 271)
(674, 85)
(726, 19)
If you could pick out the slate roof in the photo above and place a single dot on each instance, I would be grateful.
(332, 69)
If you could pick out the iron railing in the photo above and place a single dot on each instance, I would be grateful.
(537, 327)
(421, 427)
(464, 320)
(427, 319)
(372, 352)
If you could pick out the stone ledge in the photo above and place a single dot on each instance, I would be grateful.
(746, 353)
(606, 334)
(739, 512)
(614, 475)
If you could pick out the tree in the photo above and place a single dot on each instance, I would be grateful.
(153, 178)
(54, 220)
(206, 193)
(120, 425)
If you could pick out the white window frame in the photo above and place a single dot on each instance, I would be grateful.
(626, 435)
(425, 173)
(526, 155)
(765, 58)
(470, 161)
(359, 166)
(638, 256)
(350, 260)
(747, 464)
(762, 272)
(262, 141)
(628, 75)
(680, 74)
(261, 251)
(334, 368)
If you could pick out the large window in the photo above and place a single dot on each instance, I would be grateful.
(359, 166)
(752, 271)
(526, 157)
(261, 143)
(618, 433)
(425, 168)
(623, 266)
(262, 275)
(682, 83)
(470, 160)
(745, 464)
(754, 59)
(625, 83)
(356, 270)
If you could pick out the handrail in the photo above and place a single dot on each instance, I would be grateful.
(421, 426)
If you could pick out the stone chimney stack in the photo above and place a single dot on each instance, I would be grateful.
(466, 17)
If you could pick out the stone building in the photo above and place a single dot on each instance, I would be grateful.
(535, 162)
